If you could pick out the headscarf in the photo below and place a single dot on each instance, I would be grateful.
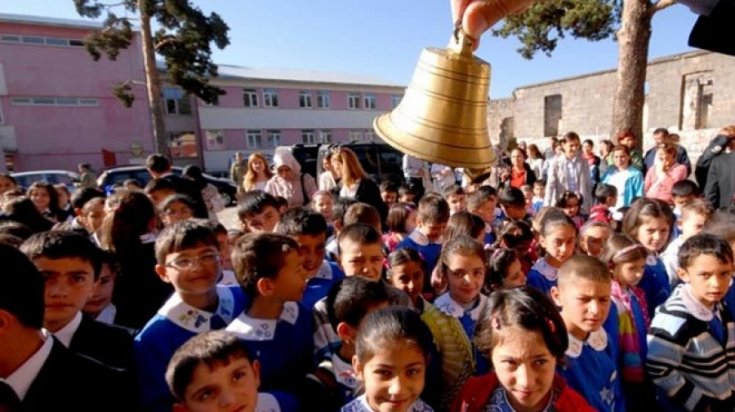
(285, 158)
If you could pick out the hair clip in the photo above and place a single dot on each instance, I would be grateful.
(495, 322)
(552, 326)
(627, 249)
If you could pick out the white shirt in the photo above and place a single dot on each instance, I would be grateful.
(65, 334)
(571, 170)
(23, 377)
(618, 180)
(107, 315)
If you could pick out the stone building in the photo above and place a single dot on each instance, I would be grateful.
(692, 94)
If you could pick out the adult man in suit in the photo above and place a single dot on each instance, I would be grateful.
(42, 373)
(159, 167)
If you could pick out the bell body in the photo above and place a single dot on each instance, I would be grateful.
(442, 117)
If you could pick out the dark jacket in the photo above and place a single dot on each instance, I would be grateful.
(682, 158)
(110, 345)
(715, 32)
(369, 192)
(720, 186)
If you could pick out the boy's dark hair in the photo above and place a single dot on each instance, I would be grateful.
(21, 293)
(684, 188)
(661, 130)
(433, 209)
(350, 299)
(169, 200)
(603, 191)
(570, 136)
(301, 221)
(11, 227)
(362, 213)
(186, 234)
(60, 244)
(512, 196)
(721, 224)
(540, 182)
(584, 267)
(453, 190)
(404, 255)
(254, 202)
(213, 225)
(281, 202)
(158, 163)
(388, 186)
(83, 195)
(699, 207)
(340, 208)
(258, 256)
(704, 244)
(155, 185)
(480, 196)
(211, 348)
(359, 233)
(589, 142)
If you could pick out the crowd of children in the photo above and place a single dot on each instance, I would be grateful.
(473, 299)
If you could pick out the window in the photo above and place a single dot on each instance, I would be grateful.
(369, 102)
(54, 101)
(353, 100)
(355, 135)
(552, 114)
(325, 136)
(41, 41)
(270, 98)
(274, 138)
(323, 100)
(255, 140)
(394, 101)
(305, 100)
(176, 101)
(215, 139)
(369, 136)
(307, 137)
(249, 98)
(183, 144)
(33, 39)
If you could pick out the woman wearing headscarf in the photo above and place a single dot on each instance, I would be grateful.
(289, 182)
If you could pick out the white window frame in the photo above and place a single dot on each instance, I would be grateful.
(181, 96)
(323, 100)
(305, 100)
(355, 135)
(325, 136)
(55, 101)
(249, 97)
(270, 98)
(308, 137)
(254, 139)
(274, 138)
(395, 101)
(353, 101)
(213, 134)
(369, 102)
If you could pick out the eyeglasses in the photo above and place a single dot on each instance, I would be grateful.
(188, 263)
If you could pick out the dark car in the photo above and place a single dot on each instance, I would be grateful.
(118, 175)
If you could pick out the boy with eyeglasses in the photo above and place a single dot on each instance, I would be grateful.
(188, 258)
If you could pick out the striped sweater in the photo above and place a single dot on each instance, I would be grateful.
(690, 367)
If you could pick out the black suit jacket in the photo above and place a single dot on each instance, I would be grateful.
(715, 32)
(71, 382)
(189, 187)
(109, 345)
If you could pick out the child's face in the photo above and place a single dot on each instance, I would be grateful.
(432, 230)
(323, 205)
(102, 295)
(653, 233)
(559, 244)
(193, 271)
(538, 191)
(680, 201)
(176, 212)
(92, 218)
(394, 377)
(409, 277)
(528, 194)
(465, 277)
(584, 304)
(290, 282)
(264, 221)
(63, 198)
(708, 277)
(389, 197)
(68, 284)
(230, 387)
(457, 203)
(515, 212)
(621, 159)
(571, 208)
(611, 201)
(411, 221)
(358, 259)
(313, 250)
(486, 210)
(593, 239)
(407, 198)
(630, 273)
(40, 198)
(6, 185)
(525, 368)
(158, 196)
(692, 224)
(514, 276)
(571, 148)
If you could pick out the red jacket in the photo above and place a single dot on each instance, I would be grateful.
(475, 394)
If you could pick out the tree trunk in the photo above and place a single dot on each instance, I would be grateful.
(153, 83)
(633, 39)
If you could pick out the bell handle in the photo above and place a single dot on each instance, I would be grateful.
(461, 43)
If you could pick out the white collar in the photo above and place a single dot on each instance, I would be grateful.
(228, 278)
(22, 378)
(324, 272)
(267, 403)
(197, 320)
(448, 306)
(344, 373)
(65, 334)
(546, 270)
(361, 405)
(422, 240)
(254, 329)
(597, 341)
(693, 306)
(107, 315)
(651, 260)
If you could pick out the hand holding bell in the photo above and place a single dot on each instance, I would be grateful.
(476, 16)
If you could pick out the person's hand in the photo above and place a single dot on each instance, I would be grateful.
(478, 16)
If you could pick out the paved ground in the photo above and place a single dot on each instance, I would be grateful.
(228, 217)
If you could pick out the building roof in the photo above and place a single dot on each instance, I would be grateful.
(227, 71)
(49, 21)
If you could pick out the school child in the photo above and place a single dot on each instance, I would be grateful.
(389, 193)
(518, 235)
(188, 258)
(334, 383)
(216, 371)
(465, 224)
(691, 343)
(569, 171)
(281, 204)
(338, 222)
(627, 179)
(322, 202)
(408, 194)
(393, 339)
(513, 204)
(539, 188)
(258, 212)
(569, 202)
(275, 326)
(647, 222)
(176, 208)
(722, 224)
(583, 294)
(504, 270)
(401, 221)
(360, 212)
(67, 212)
(683, 192)
(456, 198)
(606, 197)
(46, 200)
(690, 222)
(592, 237)
(482, 203)
(522, 334)
(70, 264)
(224, 246)
(558, 237)
(7, 183)
(158, 190)
(99, 306)
(91, 216)
(309, 230)
(431, 220)
(528, 195)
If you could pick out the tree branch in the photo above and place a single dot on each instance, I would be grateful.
(164, 42)
(660, 5)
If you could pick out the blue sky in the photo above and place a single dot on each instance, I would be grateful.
(383, 38)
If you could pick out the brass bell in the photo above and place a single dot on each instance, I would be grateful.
(442, 117)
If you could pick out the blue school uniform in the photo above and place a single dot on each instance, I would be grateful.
(655, 283)
(490, 237)
(468, 319)
(283, 346)
(361, 405)
(542, 276)
(174, 324)
(430, 251)
(591, 370)
(317, 287)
